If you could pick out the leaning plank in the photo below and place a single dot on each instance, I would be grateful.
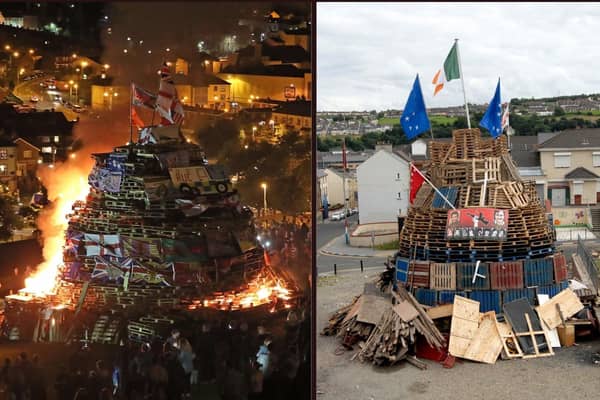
(372, 308)
(442, 311)
(486, 345)
(510, 344)
(569, 305)
(406, 311)
(464, 324)
(552, 333)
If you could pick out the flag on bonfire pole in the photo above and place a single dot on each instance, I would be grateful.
(450, 71)
(167, 103)
(492, 119)
(416, 181)
(135, 118)
(143, 98)
(414, 118)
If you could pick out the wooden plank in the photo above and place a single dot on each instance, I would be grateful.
(569, 305)
(486, 345)
(510, 344)
(406, 311)
(372, 308)
(465, 322)
(552, 333)
(442, 311)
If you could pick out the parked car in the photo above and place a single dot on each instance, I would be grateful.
(336, 215)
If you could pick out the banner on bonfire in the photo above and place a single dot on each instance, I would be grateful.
(117, 270)
(186, 250)
(102, 245)
(477, 224)
(188, 175)
(156, 190)
(174, 159)
(105, 180)
(116, 161)
(135, 247)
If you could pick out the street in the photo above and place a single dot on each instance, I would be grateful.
(25, 90)
(330, 230)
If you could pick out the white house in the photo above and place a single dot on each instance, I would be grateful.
(383, 187)
(335, 187)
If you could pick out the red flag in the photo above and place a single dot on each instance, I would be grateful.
(142, 97)
(344, 160)
(135, 118)
(416, 181)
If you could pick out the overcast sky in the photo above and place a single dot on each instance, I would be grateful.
(368, 54)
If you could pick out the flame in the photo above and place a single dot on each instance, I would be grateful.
(66, 184)
(266, 288)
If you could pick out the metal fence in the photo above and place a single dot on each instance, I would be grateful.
(589, 262)
(351, 266)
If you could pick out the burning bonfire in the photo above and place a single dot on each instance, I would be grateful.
(155, 227)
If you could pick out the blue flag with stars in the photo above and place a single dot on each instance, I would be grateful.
(414, 118)
(492, 119)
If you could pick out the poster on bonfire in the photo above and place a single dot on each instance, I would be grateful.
(477, 224)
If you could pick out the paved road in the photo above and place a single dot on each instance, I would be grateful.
(25, 90)
(328, 231)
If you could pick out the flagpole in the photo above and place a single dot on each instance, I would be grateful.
(131, 113)
(344, 164)
(433, 186)
(462, 81)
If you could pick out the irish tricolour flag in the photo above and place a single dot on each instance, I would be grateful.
(448, 72)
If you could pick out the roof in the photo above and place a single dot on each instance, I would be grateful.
(300, 108)
(268, 70)
(573, 138)
(351, 157)
(543, 136)
(396, 157)
(286, 54)
(523, 150)
(581, 173)
(30, 125)
(198, 80)
(321, 173)
(28, 143)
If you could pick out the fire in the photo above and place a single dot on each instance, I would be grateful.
(264, 289)
(66, 184)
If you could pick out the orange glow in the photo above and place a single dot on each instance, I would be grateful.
(266, 288)
(66, 184)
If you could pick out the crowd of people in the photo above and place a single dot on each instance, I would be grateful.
(289, 240)
(235, 359)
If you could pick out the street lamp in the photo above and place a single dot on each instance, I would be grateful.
(264, 187)
(254, 132)
(21, 72)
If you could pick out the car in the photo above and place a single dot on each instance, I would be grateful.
(336, 215)
(43, 84)
(34, 99)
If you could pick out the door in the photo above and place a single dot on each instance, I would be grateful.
(577, 199)
(559, 197)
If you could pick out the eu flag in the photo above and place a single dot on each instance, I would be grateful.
(414, 118)
(492, 119)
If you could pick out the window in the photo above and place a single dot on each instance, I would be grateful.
(215, 88)
(596, 159)
(398, 176)
(3, 169)
(56, 139)
(222, 88)
(45, 139)
(562, 160)
(47, 149)
(399, 196)
(222, 97)
(27, 154)
(3, 154)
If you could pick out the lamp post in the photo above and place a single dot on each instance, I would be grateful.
(264, 187)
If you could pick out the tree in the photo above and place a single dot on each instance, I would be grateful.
(558, 111)
(9, 220)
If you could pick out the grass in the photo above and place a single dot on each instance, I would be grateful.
(436, 119)
(389, 121)
(388, 246)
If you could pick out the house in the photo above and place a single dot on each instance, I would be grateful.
(203, 90)
(383, 186)
(8, 166)
(570, 161)
(278, 82)
(335, 187)
(28, 159)
(322, 192)
(525, 154)
(293, 115)
(49, 131)
(107, 97)
(333, 158)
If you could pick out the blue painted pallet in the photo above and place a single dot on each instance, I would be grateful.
(427, 297)
(538, 272)
(489, 300)
(509, 295)
(447, 296)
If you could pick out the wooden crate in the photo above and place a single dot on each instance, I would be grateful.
(506, 275)
(442, 276)
(418, 274)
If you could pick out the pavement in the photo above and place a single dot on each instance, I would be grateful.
(338, 247)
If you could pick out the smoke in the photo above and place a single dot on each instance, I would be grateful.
(66, 182)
